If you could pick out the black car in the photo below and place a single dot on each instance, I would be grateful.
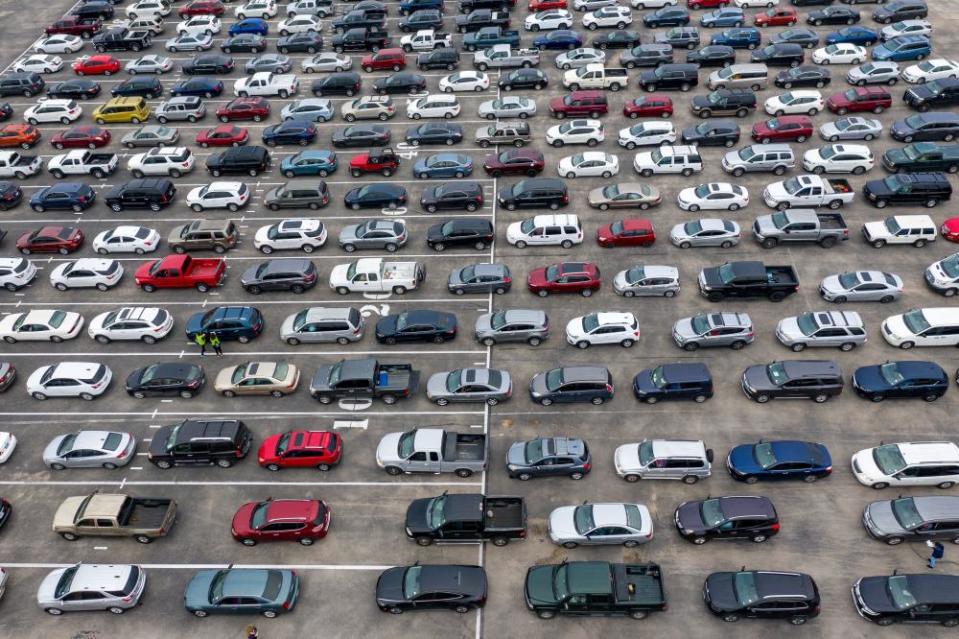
(6, 111)
(833, 15)
(442, 58)
(446, 133)
(934, 94)
(713, 55)
(375, 196)
(249, 160)
(416, 326)
(713, 133)
(670, 76)
(783, 54)
(803, 76)
(201, 442)
(79, 89)
(548, 193)
(616, 40)
(738, 102)
(909, 598)
(359, 19)
(908, 188)
(94, 9)
(898, 10)
(922, 156)
(431, 587)
(931, 125)
(208, 63)
(572, 384)
(813, 379)
(674, 381)
(422, 19)
(198, 87)
(145, 87)
(531, 78)
(166, 379)
(10, 195)
(762, 594)
(548, 457)
(666, 17)
(359, 39)
(750, 517)
(901, 379)
(279, 275)
(361, 135)
(5, 510)
(805, 38)
(465, 231)
(306, 42)
(453, 195)
(300, 132)
(141, 193)
(244, 43)
(400, 82)
(346, 83)
(646, 55)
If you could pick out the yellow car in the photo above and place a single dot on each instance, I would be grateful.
(124, 110)
(258, 378)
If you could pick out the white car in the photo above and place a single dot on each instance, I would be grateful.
(327, 62)
(749, 4)
(16, 272)
(59, 43)
(603, 328)
(578, 58)
(190, 42)
(647, 133)
(550, 19)
(197, 25)
(652, 4)
(219, 195)
(45, 110)
(127, 239)
(149, 64)
(313, 109)
(464, 81)
(840, 53)
(439, 105)
(931, 69)
(592, 5)
(305, 235)
(561, 229)
(922, 327)
(906, 27)
(87, 272)
(608, 17)
(142, 323)
(906, 463)
(313, 7)
(589, 164)
(40, 326)
(579, 131)
(714, 196)
(256, 9)
(839, 158)
(86, 380)
(148, 8)
(808, 101)
(299, 24)
(39, 63)
(172, 161)
(8, 443)
(510, 106)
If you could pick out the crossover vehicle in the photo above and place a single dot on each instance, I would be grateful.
(817, 380)
(731, 517)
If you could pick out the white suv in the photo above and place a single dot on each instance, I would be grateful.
(256, 9)
(647, 133)
(580, 131)
(44, 111)
(546, 230)
(922, 327)
(87, 272)
(304, 235)
(441, 105)
(917, 230)
(839, 158)
(219, 195)
(86, 380)
(603, 328)
(144, 323)
(908, 464)
(166, 161)
(16, 272)
(668, 159)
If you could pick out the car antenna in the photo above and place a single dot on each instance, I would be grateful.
(445, 492)
(743, 569)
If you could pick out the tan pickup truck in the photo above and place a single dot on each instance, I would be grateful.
(99, 515)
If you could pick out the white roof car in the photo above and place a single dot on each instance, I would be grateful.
(299, 24)
(592, 5)
(127, 239)
(439, 105)
(8, 443)
(464, 81)
(59, 43)
(579, 58)
(794, 102)
(149, 64)
(549, 19)
(304, 235)
(144, 323)
(561, 229)
(199, 24)
(510, 106)
(219, 195)
(578, 131)
(151, 23)
(86, 380)
(256, 9)
(922, 327)
(603, 328)
(713, 196)
(16, 272)
(190, 42)
(908, 464)
(839, 158)
(87, 272)
(40, 326)
(840, 53)
(588, 164)
(171, 161)
(861, 286)
(45, 110)
(649, 459)
(647, 133)
(917, 230)
(39, 63)
(610, 16)
(647, 280)
(906, 27)
(600, 524)
(931, 69)
(117, 588)
(842, 329)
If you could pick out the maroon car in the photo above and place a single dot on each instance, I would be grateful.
(565, 277)
(875, 99)
(223, 135)
(255, 109)
(74, 25)
(646, 106)
(630, 232)
(514, 162)
(84, 135)
(202, 8)
(302, 520)
(797, 128)
(51, 239)
(590, 104)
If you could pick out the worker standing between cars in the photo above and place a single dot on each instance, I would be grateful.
(200, 339)
(252, 632)
(938, 550)
(215, 343)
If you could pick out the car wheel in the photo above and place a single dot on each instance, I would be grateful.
(821, 398)
(907, 345)
(576, 476)
(731, 618)
(596, 401)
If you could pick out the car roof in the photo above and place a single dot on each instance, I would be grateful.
(326, 312)
(526, 315)
(610, 514)
(933, 589)
(91, 439)
(585, 373)
(838, 318)
(560, 219)
(747, 506)
(565, 446)
(929, 452)
(686, 372)
(678, 448)
(936, 506)
(291, 510)
(76, 370)
(208, 428)
(615, 318)
(939, 316)
(788, 584)
(100, 577)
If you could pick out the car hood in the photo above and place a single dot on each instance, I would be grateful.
(722, 596)
(873, 592)
(741, 459)
(537, 277)
(241, 520)
(322, 376)
(516, 454)
(789, 327)
(539, 585)
(537, 385)
(197, 593)
(387, 325)
(562, 524)
(249, 275)
(348, 234)
(133, 379)
(684, 328)
(881, 519)
(643, 382)
(436, 385)
(757, 379)
(268, 448)
(224, 378)
(194, 323)
(50, 452)
(48, 587)
(688, 517)
(435, 233)
(875, 229)
(626, 457)
(416, 516)
(389, 587)
(869, 378)
(386, 450)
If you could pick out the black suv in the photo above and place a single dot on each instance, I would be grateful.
(443, 58)
(673, 381)
(712, 133)
(137, 86)
(279, 275)
(736, 102)
(817, 380)
(781, 54)
(250, 160)
(462, 231)
(201, 441)
(25, 84)
(548, 457)
(922, 156)
(548, 193)
(208, 64)
(453, 195)
(750, 517)
(762, 594)
(915, 598)
(908, 188)
(345, 83)
(900, 10)
(142, 193)
(670, 76)
(935, 94)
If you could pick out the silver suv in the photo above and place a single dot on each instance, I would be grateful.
(686, 459)
(116, 588)
(765, 158)
(841, 329)
(184, 107)
(517, 325)
(318, 324)
(734, 330)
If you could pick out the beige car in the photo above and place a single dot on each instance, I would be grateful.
(258, 378)
(369, 107)
(625, 195)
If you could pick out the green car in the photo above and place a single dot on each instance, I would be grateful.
(242, 591)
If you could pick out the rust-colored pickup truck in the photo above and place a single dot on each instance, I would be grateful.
(181, 271)
(99, 515)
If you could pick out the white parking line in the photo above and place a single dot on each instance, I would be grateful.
(392, 483)
(140, 301)
(351, 567)
(247, 354)
(277, 414)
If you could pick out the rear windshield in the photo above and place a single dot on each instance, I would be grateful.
(112, 441)
(130, 584)
(274, 579)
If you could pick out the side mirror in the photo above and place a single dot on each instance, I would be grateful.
(709, 455)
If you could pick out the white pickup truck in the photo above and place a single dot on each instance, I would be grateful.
(595, 76)
(808, 191)
(12, 164)
(267, 84)
(501, 56)
(426, 40)
(376, 275)
(83, 162)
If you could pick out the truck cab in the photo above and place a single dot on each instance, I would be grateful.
(595, 588)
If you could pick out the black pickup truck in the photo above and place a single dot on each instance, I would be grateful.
(746, 280)
(466, 518)
(363, 379)
(479, 18)
(595, 588)
(360, 39)
(468, 6)
(359, 19)
(122, 40)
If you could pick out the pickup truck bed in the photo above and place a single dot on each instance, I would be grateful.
(397, 376)
(780, 275)
(637, 584)
(504, 513)
(831, 221)
(467, 447)
(144, 513)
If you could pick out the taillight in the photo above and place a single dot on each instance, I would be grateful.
(507, 280)
(121, 454)
(566, 199)
(587, 466)
(774, 528)
(829, 469)
(522, 533)
(609, 388)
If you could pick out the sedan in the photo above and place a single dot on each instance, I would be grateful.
(249, 25)
(169, 379)
(189, 42)
(713, 196)
(272, 62)
(244, 43)
(446, 133)
(87, 136)
(51, 239)
(843, 53)
(803, 76)
(375, 196)
(327, 63)
(487, 385)
(431, 587)
(376, 234)
(507, 107)
(402, 82)
(851, 128)
(562, 39)
(269, 592)
(861, 286)
(301, 132)
(39, 63)
(931, 69)
(776, 460)
(90, 449)
(416, 326)
(157, 64)
(443, 165)
(361, 135)
(480, 278)
(59, 43)
(606, 524)
(853, 35)
(906, 27)
(464, 81)
(199, 87)
(588, 164)
(806, 38)
(126, 239)
(705, 232)
(257, 378)
(86, 380)
(514, 162)
(624, 195)
(833, 15)
(579, 58)
(40, 326)
(302, 520)
(531, 78)
(79, 89)
(223, 135)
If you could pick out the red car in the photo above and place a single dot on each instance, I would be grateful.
(545, 5)
(21, 135)
(255, 109)
(633, 232)
(202, 8)
(383, 161)
(51, 239)
(302, 520)
(384, 60)
(100, 64)
(82, 135)
(950, 229)
(776, 17)
(320, 449)
(590, 104)
(223, 135)
(651, 105)
(514, 162)
(875, 99)
(73, 25)
(565, 277)
(790, 128)
(707, 4)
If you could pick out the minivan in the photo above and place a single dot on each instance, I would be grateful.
(740, 76)
(674, 381)
(201, 441)
(131, 110)
(682, 76)
(21, 83)
(548, 193)
(547, 230)
(923, 327)
(774, 158)
(148, 193)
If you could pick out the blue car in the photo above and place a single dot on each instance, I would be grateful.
(901, 379)
(310, 163)
(443, 165)
(741, 38)
(200, 87)
(903, 48)
(853, 35)
(725, 17)
(409, 6)
(241, 323)
(782, 459)
(258, 26)
(300, 132)
(63, 196)
(559, 39)
(666, 17)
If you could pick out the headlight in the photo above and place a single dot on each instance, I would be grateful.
(512, 467)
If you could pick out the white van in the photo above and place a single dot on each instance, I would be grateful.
(908, 464)
(923, 327)
(917, 230)
(546, 230)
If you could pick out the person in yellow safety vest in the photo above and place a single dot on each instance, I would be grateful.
(200, 339)
(215, 343)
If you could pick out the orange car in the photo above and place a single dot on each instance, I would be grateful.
(22, 135)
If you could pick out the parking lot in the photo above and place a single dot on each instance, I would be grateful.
(821, 533)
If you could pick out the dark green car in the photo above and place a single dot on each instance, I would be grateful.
(242, 591)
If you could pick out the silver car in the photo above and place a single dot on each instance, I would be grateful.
(328, 62)
(600, 525)
(273, 62)
(861, 286)
(83, 587)
(182, 107)
(90, 449)
(374, 234)
(838, 329)
(319, 324)
(480, 278)
(149, 64)
(914, 518)
(151, 135)
(313, 109)
(511, 106)
(515, 325)
(687, 460)
(470, 385)
(851, 128)
(647, 280)
(579, 58)
(873, 73)
(734, 330)
(705, 232)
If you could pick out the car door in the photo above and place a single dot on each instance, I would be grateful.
(188, 453)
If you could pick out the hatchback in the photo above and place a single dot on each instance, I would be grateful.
(572, 384)
(480, 278)
(90, 449)
(84, 587)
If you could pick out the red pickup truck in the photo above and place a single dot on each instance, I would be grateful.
(181, 271)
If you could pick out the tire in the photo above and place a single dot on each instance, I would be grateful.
(822, 398)
(690, 479)
(545, 614)
(638, 614)
(894, 541)
(758, 539)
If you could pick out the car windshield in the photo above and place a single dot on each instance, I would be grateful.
(905, 512)
(560, 582)
(56, 318)
(617, 227)
(590, 322)
(763, 452)
(402, 321)
(848, 280)
(216, 585)
(454, 381)
(915, 321)
(807, 324)
(773, 124)
(656, 156)
(554, 379)
(699, 324)
(258, 516)
(646, 453)
(534, 450)
(711, 512)
(780, 219)
(950, 265)
(827, 152)
(714, 98)
(898, 586)
(635, 274)
(435, 512)
(583, 519)
(747, 153)
(915, 121)
(776, 373)
(238, 374)
(527, 226)
(112, 441)
(702, 190)
(552, 272)
(283, 443)
(692, 228)
(66, 444)
(300, 320)
(704, 128)
(405, 446)
(888, 458)
(890, 373)
(281, 370)
(744, 583)
(149, 373)
(727, 273)
(63, 586)
(498, 320)
(892, 225)
(611, 191)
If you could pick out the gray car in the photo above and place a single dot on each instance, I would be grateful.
(480, 278)
(918, 518)
(705, 232)
(187, 108)
(647, 280)
(851, 128)
(297, 195)
(151, 135)
(328, 62)
(625, 195)
(759, 158)
(861, 286)
(838, 329)
(296, 275)
(510, 106)
(313, 109)
(272, 62)
(514, 325)
(646, 55)
(470, 385)
(600, 524)
(873, 73)
(374, 234)
(83, 587)
(90, 449)
(734, 330)
(579, 58)
(318, 324)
